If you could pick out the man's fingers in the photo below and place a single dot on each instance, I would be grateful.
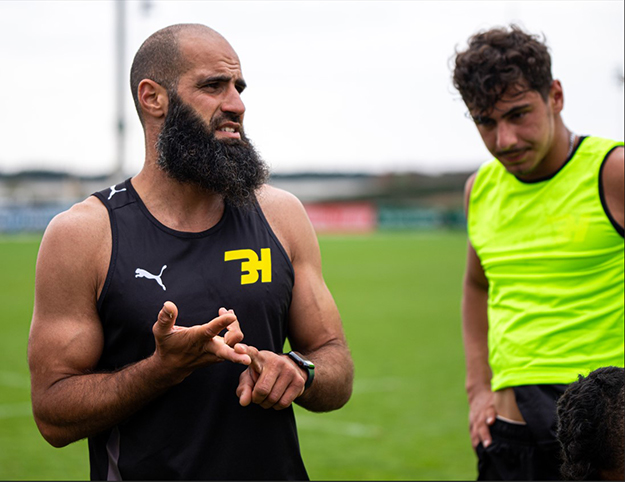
(275, 392)
(166, 318)
(491, 415)
(268, 381)
(484, 431)
(484, 435)
(286, 388)
(244, 390)
(270, 385)
(233, 334)
(216, 325)
(228, 353)
(289, 396)
(256, 358)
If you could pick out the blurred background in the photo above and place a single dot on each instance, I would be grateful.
(346, 100)
(351, 104)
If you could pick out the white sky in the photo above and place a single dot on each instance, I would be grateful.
(332, 85)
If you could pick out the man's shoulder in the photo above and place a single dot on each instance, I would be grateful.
(487, 170)
(286, 215)
(90, 210)
(481, 176)
(77, 245)
(468, 187)
(601, 140)
(278, 202)
(84, 222)
(268, 192)
(598, 148)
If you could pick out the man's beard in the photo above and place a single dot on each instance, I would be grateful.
(190, 153)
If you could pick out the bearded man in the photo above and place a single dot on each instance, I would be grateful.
(145, 290)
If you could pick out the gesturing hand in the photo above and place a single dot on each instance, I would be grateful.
(271, 381)
(183, 349)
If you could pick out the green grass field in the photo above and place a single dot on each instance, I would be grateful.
(399, 297)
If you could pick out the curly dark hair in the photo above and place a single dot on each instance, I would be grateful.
(591, 422)
(498, 59)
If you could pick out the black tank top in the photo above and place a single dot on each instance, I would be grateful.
(197, 429)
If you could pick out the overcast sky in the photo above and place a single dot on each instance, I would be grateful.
(332, 86)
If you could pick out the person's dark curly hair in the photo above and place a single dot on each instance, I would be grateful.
(591, 422)
(497, 59)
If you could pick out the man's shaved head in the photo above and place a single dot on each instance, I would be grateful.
(160, 58)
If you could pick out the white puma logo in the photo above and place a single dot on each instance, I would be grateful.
(141, 273)
(113, 191)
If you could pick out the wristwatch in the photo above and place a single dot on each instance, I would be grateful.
(305, 364)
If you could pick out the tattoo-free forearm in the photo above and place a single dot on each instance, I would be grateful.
(475, 337)
(80, 406)
(334, 377)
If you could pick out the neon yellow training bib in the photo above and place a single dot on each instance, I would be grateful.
(554, 263)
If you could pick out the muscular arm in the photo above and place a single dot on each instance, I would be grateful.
(475, 338)
(315, 329)
(70, 400)
(613, 183)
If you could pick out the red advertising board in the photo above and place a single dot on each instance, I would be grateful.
(354, 217)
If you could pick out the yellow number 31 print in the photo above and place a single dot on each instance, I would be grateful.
(251, 265)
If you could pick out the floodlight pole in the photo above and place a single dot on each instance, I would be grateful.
(120, 87)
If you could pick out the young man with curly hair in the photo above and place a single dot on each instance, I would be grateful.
(543, 288)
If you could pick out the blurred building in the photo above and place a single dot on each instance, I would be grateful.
(335, 202)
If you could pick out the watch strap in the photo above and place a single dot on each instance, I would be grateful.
(306, 365)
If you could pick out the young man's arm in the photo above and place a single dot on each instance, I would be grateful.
(613, 183)
(71, 401)
(315, 330)
(475, 337)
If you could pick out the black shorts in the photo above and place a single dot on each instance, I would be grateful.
(525, 452)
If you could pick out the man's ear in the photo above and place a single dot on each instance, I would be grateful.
(153, 99)
(556, 96)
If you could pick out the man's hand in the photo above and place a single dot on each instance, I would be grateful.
(481, 415)
(184, 349)
(271, 381)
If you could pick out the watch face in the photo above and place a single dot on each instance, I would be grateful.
(306, 365)
(300, 361)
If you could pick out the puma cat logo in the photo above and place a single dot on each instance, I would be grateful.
(113, 191)
(141, 273)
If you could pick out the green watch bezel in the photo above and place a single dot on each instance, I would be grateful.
(305, 364)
